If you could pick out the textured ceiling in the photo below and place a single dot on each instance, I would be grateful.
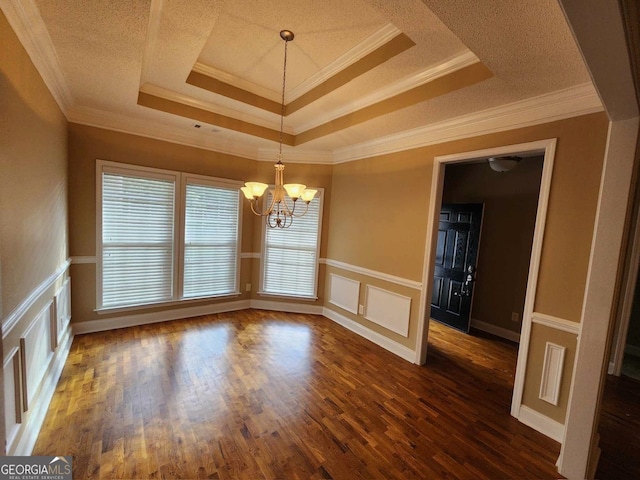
(108, 52)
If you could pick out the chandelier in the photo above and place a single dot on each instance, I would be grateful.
(282, 206)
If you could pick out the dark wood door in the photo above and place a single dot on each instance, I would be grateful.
(456, 257)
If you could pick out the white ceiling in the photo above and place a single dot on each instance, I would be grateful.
(98, 55)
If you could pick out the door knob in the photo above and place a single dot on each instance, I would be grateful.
(469, 279)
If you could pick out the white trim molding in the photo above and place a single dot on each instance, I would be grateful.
(13, 402)
(344, 293)
(571, 102)
(600, 292)
(28, 434)
(92, 326)
(495, 330)
(421, 77)
(384, 342)
(124, 321)
(552, 373)
(286, 307)
(388, 309)
(116, 122)
(24, 17)
(12, 319)
(541, 423)
(366, 46)
(556, 323)
(405, 282)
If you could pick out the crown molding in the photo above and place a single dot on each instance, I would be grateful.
(359, 51)
(149, 129)
(155, 17)
(297, 155)
(412, 81)
(570, 102)
(241, 83)
(144, 128)
(368, 45)
(24, 17)
(161, 92)
(567, 103)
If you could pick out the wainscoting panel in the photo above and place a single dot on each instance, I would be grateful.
(344, 293)
(36, 338)
(388, 309)
(12, 400)
(552, 373)
(62, 306)
(35, 347)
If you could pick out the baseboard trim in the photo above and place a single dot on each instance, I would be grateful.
(541, 423)
(495, 330)
(26, 439)
(94, 326)
(286, 307)
(384, 342)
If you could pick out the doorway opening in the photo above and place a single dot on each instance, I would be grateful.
(489, 243)
(485, 235)
(544, 149)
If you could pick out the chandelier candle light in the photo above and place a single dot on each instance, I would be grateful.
(280, 214)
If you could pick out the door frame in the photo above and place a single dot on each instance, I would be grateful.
(546, 148)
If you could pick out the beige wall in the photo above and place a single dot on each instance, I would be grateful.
(379, 217)
(510, 202)
(88, 144)
(33, 175)
(33, 187)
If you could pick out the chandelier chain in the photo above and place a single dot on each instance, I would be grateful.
(284, 81)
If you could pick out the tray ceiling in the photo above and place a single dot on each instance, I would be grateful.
(358, 70)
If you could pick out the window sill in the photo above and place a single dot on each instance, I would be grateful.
(169, 303)
(282, 295)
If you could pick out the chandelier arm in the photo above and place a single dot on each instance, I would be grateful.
(287, 210)
(306, 208)
(264, 213)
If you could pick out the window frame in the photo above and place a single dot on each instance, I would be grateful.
(319, 196)
(180, 180)
(194, 179)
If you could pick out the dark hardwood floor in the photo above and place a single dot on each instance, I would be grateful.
(257, 394)
(619, 430)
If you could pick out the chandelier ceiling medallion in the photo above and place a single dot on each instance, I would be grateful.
(280, 213)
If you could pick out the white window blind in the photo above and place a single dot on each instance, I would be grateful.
(211, 240)
(290, 256)
(137, 239)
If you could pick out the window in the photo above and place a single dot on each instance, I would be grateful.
(290, 255)
(164, 236)
(211, 240)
